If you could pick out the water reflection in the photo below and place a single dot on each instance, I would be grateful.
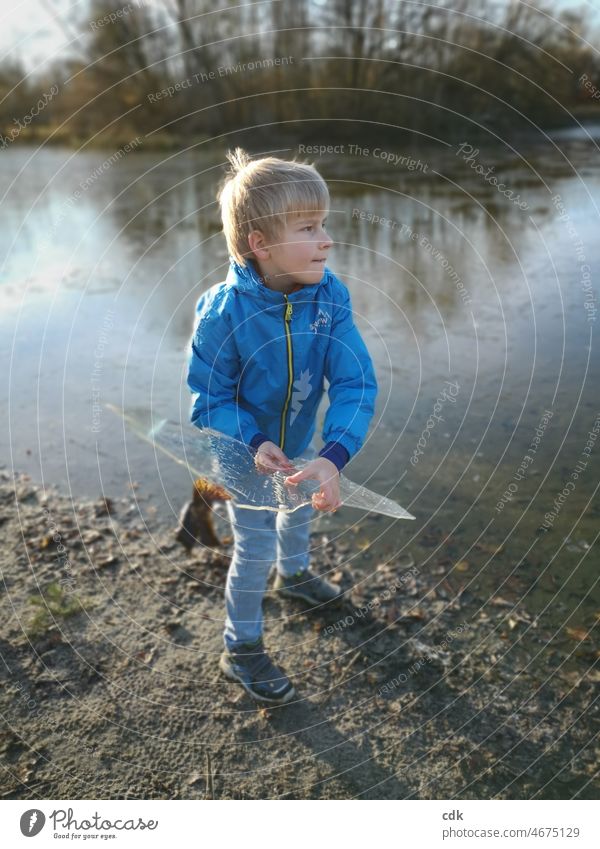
(449, 279)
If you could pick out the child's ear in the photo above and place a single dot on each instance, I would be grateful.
(258, 244)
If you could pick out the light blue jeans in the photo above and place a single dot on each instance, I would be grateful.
(261, 538)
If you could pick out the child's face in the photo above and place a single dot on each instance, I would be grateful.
(299, 255)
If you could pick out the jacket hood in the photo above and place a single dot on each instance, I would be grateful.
(246, 279)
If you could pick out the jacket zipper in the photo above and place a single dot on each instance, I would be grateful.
(287, 317)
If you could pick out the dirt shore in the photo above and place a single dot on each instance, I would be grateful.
(412, 689)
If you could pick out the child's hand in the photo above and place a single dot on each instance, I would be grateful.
(324, 471)
(270, 458)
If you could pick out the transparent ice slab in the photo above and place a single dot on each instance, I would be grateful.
(229, 463)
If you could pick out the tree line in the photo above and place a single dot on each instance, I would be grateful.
(185, 70)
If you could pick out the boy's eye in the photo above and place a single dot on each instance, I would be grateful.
(309, 227)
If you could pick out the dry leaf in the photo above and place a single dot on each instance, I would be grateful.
(414, 614)
(577, 633)
(489, 549)
(498, 601)
(146, 656)
(111, 560)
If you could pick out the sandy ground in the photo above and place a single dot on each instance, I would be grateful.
(109, 643)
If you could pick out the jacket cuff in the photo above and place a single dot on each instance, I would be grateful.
(335, 452)
(257, 440)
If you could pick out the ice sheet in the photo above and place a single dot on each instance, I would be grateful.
(225, 461)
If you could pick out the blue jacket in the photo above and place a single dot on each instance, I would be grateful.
(258, 361)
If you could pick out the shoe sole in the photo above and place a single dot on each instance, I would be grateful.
(231, 676)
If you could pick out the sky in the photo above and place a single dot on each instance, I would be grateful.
(27, 27)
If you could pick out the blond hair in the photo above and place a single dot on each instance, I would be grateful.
(262, 194)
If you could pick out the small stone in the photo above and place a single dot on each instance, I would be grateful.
(105, 507)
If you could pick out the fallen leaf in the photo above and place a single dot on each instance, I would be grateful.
(111, 560)
(90, 536)
(264, 713)
(146, 656)
(498, 601)
(489, 549)
(593, 675)
(577, 633)
(416, 613)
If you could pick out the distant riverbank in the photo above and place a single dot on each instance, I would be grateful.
(327, 132)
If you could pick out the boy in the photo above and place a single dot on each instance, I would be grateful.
(264, 341)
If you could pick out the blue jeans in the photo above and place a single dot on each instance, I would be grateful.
(261, 538)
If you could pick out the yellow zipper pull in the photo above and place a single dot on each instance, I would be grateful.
(288, 312)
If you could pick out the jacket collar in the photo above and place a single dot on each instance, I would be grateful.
(246, 279)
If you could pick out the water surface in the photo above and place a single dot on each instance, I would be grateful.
(453, 284)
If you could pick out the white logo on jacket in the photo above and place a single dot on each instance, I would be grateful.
(302, 389)
(322, 320)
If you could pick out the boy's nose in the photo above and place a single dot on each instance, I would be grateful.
(326, 241)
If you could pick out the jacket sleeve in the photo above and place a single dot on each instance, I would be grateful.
(214, 373)
(352, 383)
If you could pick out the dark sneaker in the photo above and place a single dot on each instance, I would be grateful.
(307, 586)
(252, 667)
